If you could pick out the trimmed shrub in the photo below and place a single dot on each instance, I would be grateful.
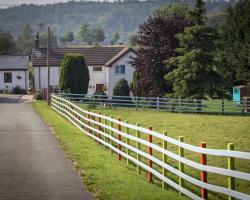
(74, 74)
(18, 90)
(39, 96)
(121, 88)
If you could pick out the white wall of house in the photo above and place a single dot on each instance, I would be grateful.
(18, 79)
(41, 81)
(96, 77)
(113, 77)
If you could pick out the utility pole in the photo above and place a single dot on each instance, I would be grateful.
(48, 51)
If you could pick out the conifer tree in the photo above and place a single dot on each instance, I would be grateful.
(195, 73)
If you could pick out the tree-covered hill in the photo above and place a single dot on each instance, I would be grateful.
(66, 17)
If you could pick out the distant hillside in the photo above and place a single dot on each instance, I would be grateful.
(65, 17)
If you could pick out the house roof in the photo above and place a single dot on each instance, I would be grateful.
(240, 86)
(8, 62)
(95, 56)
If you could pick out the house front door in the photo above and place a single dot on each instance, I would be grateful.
(99, 87)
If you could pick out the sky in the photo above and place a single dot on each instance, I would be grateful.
(17, 2)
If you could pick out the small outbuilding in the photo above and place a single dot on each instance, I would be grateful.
(239, 92)
(14, 72)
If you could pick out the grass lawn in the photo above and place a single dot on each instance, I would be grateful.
(105, 176)
(216, 130)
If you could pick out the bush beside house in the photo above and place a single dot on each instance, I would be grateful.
(74, 74)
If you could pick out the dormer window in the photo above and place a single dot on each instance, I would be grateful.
(120, 69)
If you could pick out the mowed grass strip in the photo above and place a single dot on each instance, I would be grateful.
(105, 176)
(216, 130)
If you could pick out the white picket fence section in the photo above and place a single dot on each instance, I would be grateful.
(104, 133)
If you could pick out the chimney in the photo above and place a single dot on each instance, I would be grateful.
(37, 41)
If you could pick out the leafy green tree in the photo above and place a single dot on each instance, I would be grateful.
(74, 74)
(85, 34)
(7, 43)
(98, 35)
(115, 37)
(157, 41)
(121, 88)
(195, 71)
(234, 53)
(25, 40)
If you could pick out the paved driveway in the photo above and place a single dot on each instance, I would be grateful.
(32, 164)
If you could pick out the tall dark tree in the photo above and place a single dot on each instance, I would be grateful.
(195, 71)
(235, 46)
(7, 43)
(157, 41)
(74, 74)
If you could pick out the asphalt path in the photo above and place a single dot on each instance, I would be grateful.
(32, 164)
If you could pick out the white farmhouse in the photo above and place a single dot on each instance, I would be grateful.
(14, 72)
(106, 65)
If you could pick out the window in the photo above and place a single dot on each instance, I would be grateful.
(97, 69)
(120, 69)
(8, 77)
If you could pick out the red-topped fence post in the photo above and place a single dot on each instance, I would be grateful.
(203, 174)
(119, 138)
(150, 152)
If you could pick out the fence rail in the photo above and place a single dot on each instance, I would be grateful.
(222, 106)
(108, 132)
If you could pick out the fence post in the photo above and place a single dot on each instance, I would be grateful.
(89, 123)
(119, 138)
(222, 106)
(150, 152)
(136, 102)
(138, 146)
(111, 134)
(127, 141)
(231, 166)
(158, 103)
(105, 129)
(181, 165)
(99, 127)
(203, 174)
(164, 159)
(179, 105)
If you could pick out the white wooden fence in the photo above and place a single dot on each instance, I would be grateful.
(110, 133)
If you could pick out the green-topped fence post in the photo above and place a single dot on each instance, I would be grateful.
(164, 159)
(181, 165)
(231, 166)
